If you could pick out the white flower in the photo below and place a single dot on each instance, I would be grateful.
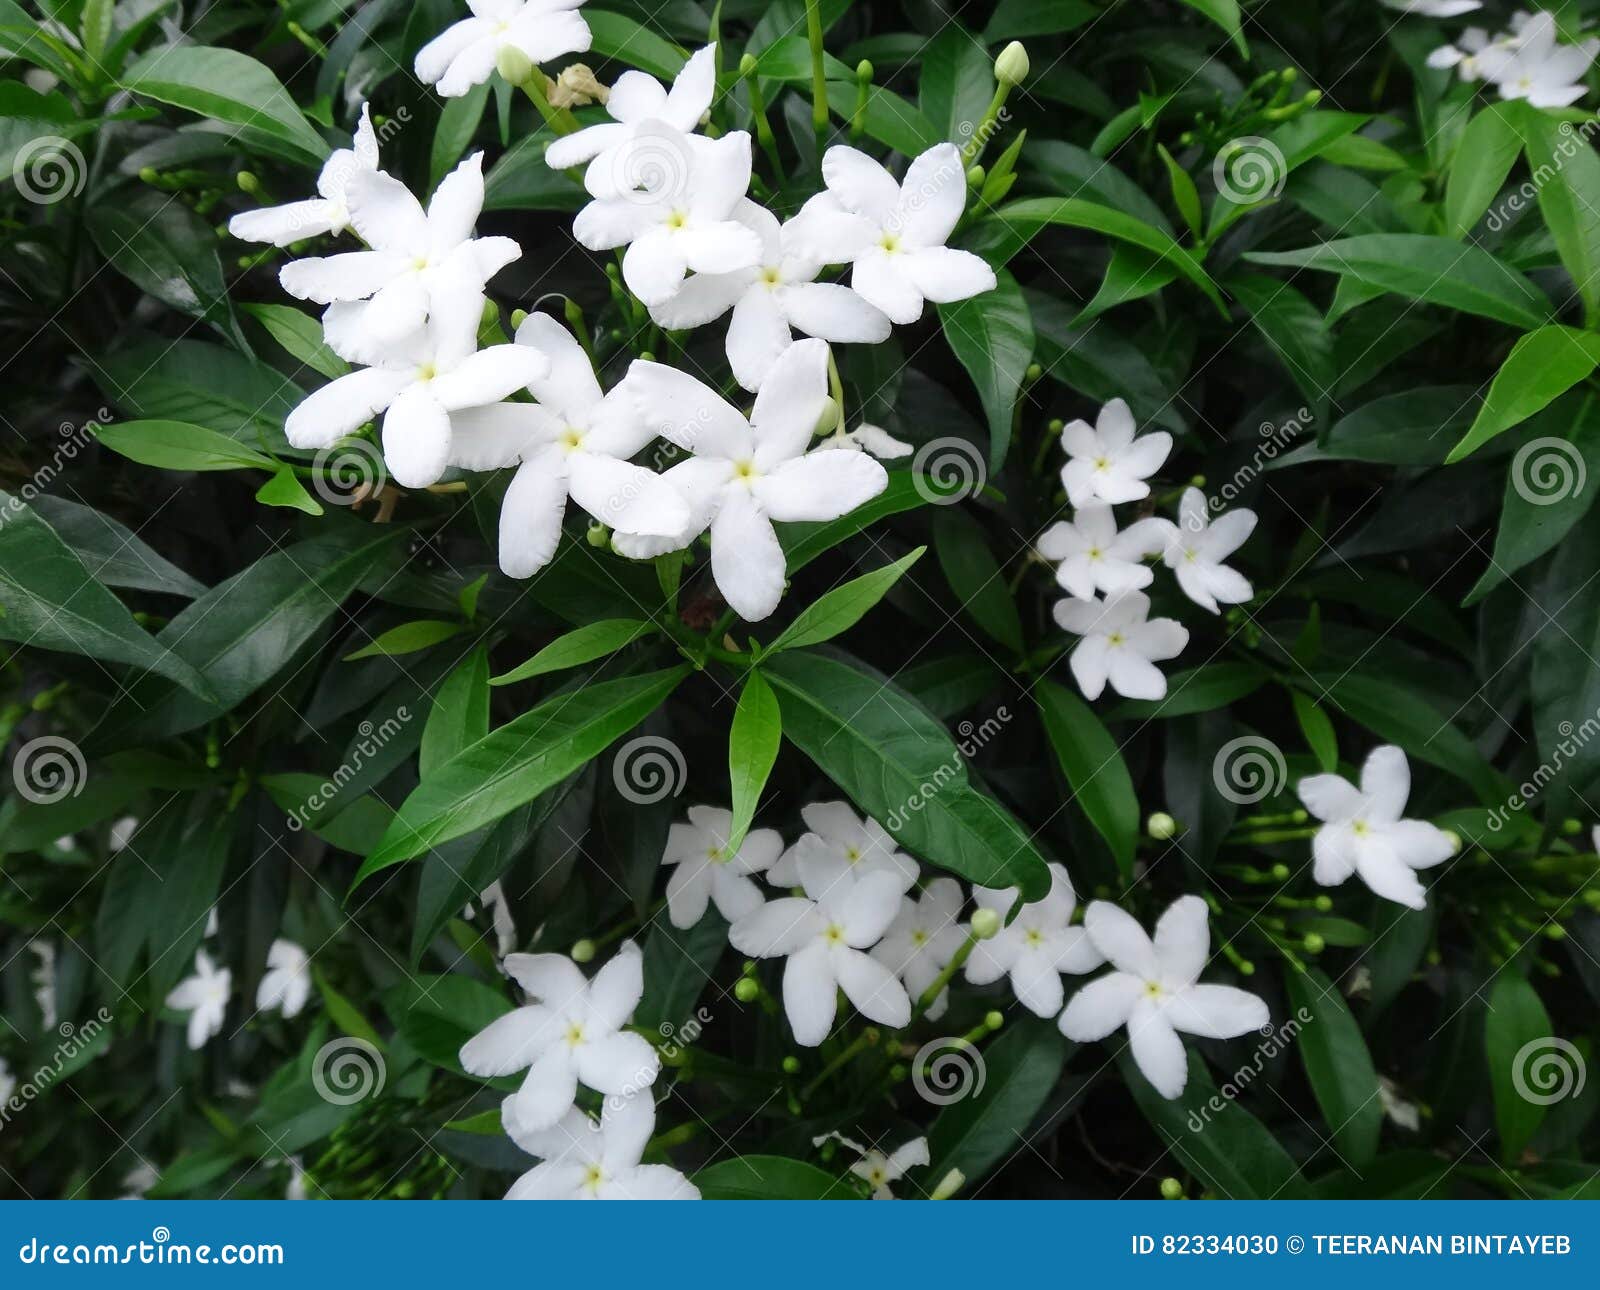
(296, 1187)
(679, 216)
(1095, 557)
(924, 937)
(1121, 644)
(582, 1160)
(1197, 546)
(414, 256)
(613, 168)
(776, 294)
(574, 1032)
(879, 1170)
(893, 234)
(1404, 1114)
(122, 832)
(1106, 462)
(8, 1082)
(286, 984)
(844, 845)
(824, 935)
(870, 438)
(1434, 8)
(44, 985)
(1474, 56)
(138, 1180)
(574, 442)
(1154, 991)
(328, 212)
(1545, 73)
(1363, 832)
(417, 386)
(746, 474)
(204, 996)
(1036, 947)
(493, 899)
(464, 55)
(706, 873)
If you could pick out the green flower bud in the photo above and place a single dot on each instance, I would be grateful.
(746, 990)
(518, 317)
(863, 72)
(1011, 67)
(247, 182)
(748, 65)
(513, 64)
(993, 1020)
(1322, 904)
(949, 1185)
(1161, 826)
(583, 951)
(1314, 944)
(985, 923)
(599, 536)
(828, 418)
(1171, 1189)
(791, 1065)
(1280, 872)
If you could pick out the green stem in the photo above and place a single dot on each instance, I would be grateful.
(930, 996)
(819, 79)
(868, 1038)
(558, 119)
(974, 146)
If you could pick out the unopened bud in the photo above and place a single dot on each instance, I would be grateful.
(1171, 1189)
(985, 923)
(748, 65)
(583, 951)
(599, 536)
(791, 1063)
(1161, 826)
(863, 71)
(949, 1185)
(993, 1020)
(518, 317)
(513, 64)
(1011, 67)
(746, 990)
(247, 182)
(828, 418)
(1314, 944)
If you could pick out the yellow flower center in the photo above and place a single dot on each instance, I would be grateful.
(771, 277)
(834, 935)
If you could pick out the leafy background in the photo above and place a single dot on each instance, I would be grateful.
(1379, 357)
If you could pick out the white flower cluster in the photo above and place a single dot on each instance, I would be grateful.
(1108, 464)
(285, 986)
(407, 312)
(863, 927)
(1525, 62)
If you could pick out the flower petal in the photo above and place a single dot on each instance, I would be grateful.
(617, 988)
(548, 1090)
(342, 406)
(1101, 1007)
(1158, 1051)
(884, 281)
(1119, 937)
(746, 560)
(792, 397)
(810, 992)
(1386, 782)
(944, 274)
(385, 214)
(779, 927)
(1216, 1011)
(618, 1065)
(625, 496)
(416, 438)
(530, 514)
(509, 1043)
(873, 988)
(758, 336)
(354, 275)
(932, 197)
(1183, 941)
(861, 184)
(822, 485)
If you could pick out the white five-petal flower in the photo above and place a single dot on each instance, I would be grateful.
(924, 937)
(893, 234)
(678, 215)
(204, 996)
(1197, 546)
(582, 1160)
(1036, 947)
(1363, 831)
(574, 1032)
(845, 845)
(1093, 556)
(418, 385)
(1121, 644)
(613, 169)
(771, 300)
(705, 872)
(1155, 991)
(464, 55)
(1106, 462)
(574, 442)
(286, 984)
(747, 474)
(824, 935)
(1541, 70)
(329, 211)
(875, 1168)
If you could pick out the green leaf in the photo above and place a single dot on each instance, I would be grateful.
(165, 249)
(174, 445)
(992, 335)
(1197, 689)
(436, 1015)
(1483, 158)
(1453, 274)
(1225, 13)
(458, 122)
(1014, 19)
(901, 767)
(1004, 1085)
(227, 86)
(1542, 366)
(51, 602)
(1256, 169)
(1517, 1037)
(759, 1177)
(803, 543)
(843, 607)
(1025, 218)
(285, 489)
(582, 645)
(1338, 1065)
(1408, 428)
(1566, 175)
(517, 762)
(111, 551)
(677, 968)
(345, 1015)
(614, 36)
(460, 713)
(957, 83)
(300, 334)
(1093, 765)
(408, 638)
(753, 741)
(1230, 1151)
(976, 577)
(1318, 730)
(1185, 196)
(1293, 328)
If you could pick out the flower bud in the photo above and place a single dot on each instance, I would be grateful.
(949, 1185)
(1161, 826)
(1455, 841)
(828, 418)
(863, 72)
(599, 536)
(985, 923)
(583, 951)
(746, 990)
(1011, 67)
(518, 317)
(791, 1065)
(1171, 1189)
(748, 65)
(1314, 944)
(247, 182)
(993, 1020)
(513, 64)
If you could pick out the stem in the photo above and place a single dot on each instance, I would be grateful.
(974, 146)
(868, 1038)
(819, 79)
(558, 119)
(957, 961)
(758, 113)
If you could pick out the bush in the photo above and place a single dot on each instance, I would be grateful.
(650, 603)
